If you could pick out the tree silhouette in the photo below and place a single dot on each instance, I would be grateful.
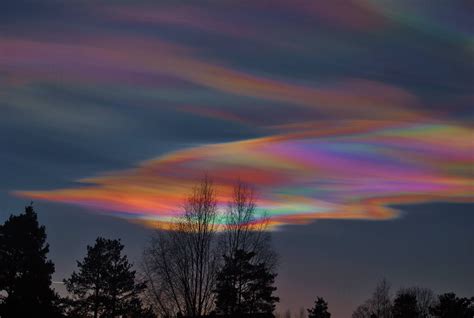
(424, 299)
(449, 306)
(105, 285)
(379, 305)
(253, 292)
(363, 311)
(25, 272)
(405, 306)
(245, 245)
(320, 309)
(243, 232)
(181, 264)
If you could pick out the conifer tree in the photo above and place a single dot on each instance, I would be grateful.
(25, 271)
(105, 284)
(244, 288)
(320, 309)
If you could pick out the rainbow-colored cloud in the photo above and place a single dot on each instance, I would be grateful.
(356, 171)
(335, 109)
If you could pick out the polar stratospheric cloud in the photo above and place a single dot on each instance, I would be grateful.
(329, 109)
(353, 172)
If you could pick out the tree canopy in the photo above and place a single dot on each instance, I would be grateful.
(405, 306)
(320, 309)
(105, 285)
(25, 271)
(449, 305)
(244, 288)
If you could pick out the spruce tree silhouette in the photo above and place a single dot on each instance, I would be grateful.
(25, 271)
(320, 309)
(405, 306)
(105, 285)
(450, 306)
(245, 289)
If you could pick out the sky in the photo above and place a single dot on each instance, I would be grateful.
(352, 120)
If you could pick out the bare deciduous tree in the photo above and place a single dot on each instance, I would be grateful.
(246, 248)
(243, 232)
(379, 305)
(181, 264)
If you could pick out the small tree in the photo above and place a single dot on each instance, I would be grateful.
(25, 271)
(320, 309)
(449, 306)
(105, 285)
(254, 292)
(405, 306)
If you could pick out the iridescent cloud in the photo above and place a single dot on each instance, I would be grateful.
(107, 61)
(357, 100)
(299, 178)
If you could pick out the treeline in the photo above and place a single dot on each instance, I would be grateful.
(211, 262)
(412, 302)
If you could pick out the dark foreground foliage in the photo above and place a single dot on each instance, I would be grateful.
(105, 285)
(244, 288)
(25, 271)
(414, 302)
